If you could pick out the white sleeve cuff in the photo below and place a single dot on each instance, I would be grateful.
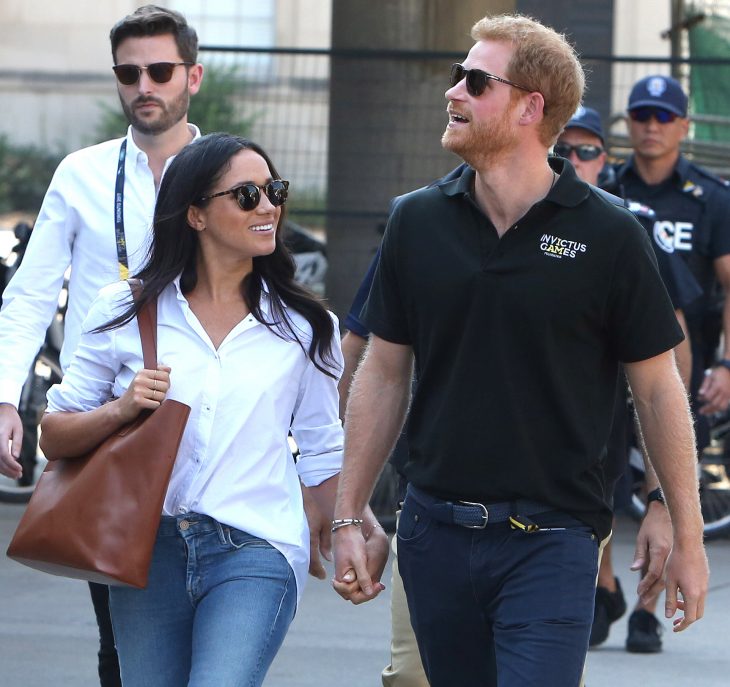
(314, 470)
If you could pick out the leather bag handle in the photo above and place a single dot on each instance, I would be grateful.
(147, 321)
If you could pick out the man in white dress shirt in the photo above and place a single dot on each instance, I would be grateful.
(96, 216)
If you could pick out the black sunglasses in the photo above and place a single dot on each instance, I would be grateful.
(477, 79)
(248, 195)
(583, 151)
(644, 114)
(159, 72)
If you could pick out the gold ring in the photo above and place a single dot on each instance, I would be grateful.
(154, 388)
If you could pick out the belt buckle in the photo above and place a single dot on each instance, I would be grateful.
(485, 515)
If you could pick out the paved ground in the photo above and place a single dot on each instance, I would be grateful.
(47, 633)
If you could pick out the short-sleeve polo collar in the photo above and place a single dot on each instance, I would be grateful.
(568, 191)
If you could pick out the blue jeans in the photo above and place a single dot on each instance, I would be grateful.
(497, 607)
(216, 609)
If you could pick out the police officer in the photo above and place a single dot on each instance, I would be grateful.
(692, 209)
(582, 142)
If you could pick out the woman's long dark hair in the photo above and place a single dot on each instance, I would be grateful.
(192, 175)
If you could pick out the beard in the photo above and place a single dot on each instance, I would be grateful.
(482, 143)
(170, 113)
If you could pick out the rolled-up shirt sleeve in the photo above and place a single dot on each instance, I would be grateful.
(316, 425)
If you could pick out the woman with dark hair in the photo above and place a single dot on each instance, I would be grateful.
(254, 355)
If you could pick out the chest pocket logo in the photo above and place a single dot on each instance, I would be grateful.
(671, 236)
(555, 247)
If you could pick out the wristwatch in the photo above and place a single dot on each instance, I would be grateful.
(723, 363)
(655, 495)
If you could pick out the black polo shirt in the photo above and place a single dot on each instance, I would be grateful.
(517, 340)
(692, 210)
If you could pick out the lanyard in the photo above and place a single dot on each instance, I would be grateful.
(119, 214)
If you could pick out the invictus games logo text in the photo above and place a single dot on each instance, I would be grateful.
(555, 247)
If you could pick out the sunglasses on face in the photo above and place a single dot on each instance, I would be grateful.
(583, 151)
(477, 80)
(644, 114)
(248, 195)
(159, 72)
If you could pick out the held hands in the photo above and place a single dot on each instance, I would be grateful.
(146, 392)
(359, 562)
(11, 440)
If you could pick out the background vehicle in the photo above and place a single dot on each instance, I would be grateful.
(310, 256)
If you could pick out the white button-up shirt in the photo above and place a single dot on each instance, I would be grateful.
(75, 226)
(234, 462)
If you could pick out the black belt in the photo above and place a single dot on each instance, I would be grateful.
(474, 515)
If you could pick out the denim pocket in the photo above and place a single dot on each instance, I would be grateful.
(238, 539)
(414, 522)
(580, 531)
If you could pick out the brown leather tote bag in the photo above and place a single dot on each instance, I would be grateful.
(95, 517)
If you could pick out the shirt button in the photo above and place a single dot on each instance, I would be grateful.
(184, 524)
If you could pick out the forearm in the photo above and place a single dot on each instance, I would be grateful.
(353, 347)
(68, 435)
(666, 428)
(375, 415)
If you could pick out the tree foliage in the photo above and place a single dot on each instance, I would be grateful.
(25, 172)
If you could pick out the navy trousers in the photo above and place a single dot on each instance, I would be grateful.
(498, 607)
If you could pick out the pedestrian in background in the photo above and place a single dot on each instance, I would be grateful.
(95, 217)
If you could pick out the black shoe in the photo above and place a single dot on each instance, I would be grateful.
(609, 607)
(644, 633)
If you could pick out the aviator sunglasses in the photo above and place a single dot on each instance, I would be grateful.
(644, 114)
(159, 72)
(584, 151)
(248, 195)
(477, 79)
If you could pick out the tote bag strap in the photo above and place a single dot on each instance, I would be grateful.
(147, 321)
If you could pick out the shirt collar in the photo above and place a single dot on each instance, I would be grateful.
(136, 153)
(568, 190)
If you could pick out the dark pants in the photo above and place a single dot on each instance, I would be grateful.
(108, 660)
(497, 607)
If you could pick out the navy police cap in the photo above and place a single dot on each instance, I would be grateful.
(586, 118)
(659, 91)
